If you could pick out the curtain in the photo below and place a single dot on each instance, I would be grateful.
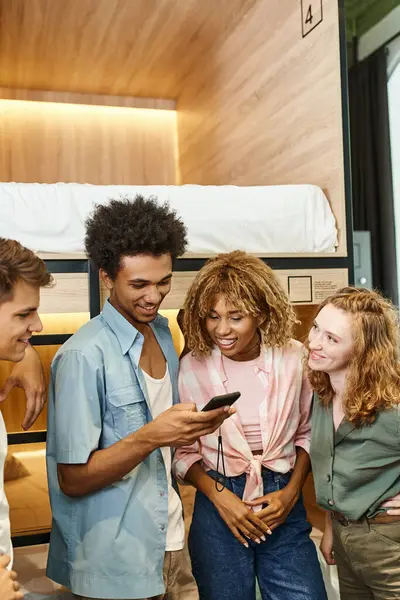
(373, 204)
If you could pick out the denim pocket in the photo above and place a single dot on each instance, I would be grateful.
(129, 410)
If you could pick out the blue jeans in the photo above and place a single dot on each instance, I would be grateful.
(285, 565)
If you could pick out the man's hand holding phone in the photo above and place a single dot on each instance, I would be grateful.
(182, 425)
(220, 401)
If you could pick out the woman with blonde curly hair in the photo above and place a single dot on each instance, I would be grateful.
(249, 520)
(353, 366)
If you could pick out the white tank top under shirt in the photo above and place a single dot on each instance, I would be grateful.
(159, 393)
(242, 377)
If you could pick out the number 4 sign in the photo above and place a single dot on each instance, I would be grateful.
(311, 15)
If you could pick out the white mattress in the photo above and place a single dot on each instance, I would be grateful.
(262, 220)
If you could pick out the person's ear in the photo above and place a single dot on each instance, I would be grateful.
(106, 279)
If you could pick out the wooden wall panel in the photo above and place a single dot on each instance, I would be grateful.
(49, 142)
(263, 106)
(13, 408)
(60, 323)
(70, 291)
(319, 283)
(86, 99)
(123, 47)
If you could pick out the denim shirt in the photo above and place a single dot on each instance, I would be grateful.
(111, 543)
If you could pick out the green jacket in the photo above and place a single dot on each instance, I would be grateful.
(355, 469)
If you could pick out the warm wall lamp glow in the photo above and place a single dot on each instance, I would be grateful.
(109, 110)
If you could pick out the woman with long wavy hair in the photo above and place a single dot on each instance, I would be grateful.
(353, 366)
(238, 325)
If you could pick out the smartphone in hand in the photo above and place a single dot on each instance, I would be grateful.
(224, 400)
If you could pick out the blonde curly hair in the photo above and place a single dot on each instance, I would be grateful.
(247, 284)
(373, 377)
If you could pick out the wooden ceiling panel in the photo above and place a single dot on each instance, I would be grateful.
(119, 47)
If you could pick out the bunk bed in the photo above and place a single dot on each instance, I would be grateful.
(219, 112)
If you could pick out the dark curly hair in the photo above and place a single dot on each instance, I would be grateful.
(127, 227)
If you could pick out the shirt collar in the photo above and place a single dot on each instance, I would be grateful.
(264, 362)
(125, 332)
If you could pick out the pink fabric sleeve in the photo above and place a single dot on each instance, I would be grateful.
(186, 456)
(303, 433)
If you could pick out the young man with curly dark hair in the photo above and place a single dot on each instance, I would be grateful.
(113, 418)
